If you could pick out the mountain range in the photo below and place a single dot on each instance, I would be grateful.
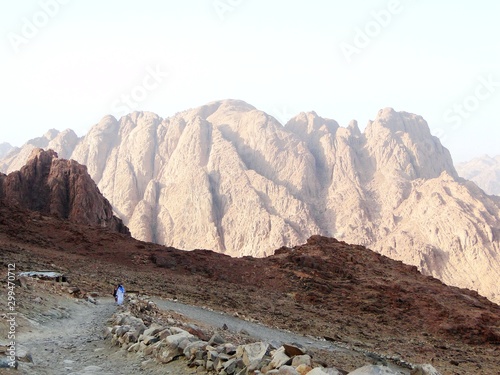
(373, 309)
(231, 178)
(484, 171)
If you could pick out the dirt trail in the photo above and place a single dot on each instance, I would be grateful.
(65, 337)
(276, 337)
(68, 339)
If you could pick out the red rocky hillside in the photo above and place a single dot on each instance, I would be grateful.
(59, 187)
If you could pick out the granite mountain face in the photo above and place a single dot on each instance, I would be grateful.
(231, 178)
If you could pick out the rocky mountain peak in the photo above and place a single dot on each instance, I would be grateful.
(5, 148)
(354, 128)
(402, 144)
(305, 124)
(484, 171)
(42, 141)
(59, 187)
(51, 134)
(41, 157)
(231, 105)
(407, 123)
(64, 142)
(219, 108)
(229, 177)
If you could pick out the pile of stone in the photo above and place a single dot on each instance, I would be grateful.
(166, 343)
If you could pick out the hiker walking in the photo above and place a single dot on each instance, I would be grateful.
(119, 293)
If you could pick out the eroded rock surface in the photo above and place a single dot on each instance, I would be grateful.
(59, 187)
(228, 177)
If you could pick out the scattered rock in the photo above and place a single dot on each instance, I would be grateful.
(373, 370)
(91, 300)
(424, 370)
(293, 350)
(288, 370)
(6, 363)
(279, 358)
(73, 290)
(252, 353)
(166, 344)
(302, 359)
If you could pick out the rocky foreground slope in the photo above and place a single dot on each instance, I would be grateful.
(324, 288)
(228, 177)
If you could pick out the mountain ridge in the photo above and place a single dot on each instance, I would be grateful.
(484, 171)
(231, 178)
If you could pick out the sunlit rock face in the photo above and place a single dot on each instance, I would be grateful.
(231, 178)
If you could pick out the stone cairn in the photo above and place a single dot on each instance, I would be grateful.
(134, 328)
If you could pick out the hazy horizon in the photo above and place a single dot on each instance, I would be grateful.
(67, 64)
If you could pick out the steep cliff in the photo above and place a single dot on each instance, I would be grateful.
(59, 187)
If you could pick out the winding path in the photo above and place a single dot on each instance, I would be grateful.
(68, 340)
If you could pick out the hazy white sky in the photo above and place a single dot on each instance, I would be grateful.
(67, 63)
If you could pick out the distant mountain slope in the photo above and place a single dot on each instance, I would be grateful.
(484, 171)
(231, 178)
(4, 149)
